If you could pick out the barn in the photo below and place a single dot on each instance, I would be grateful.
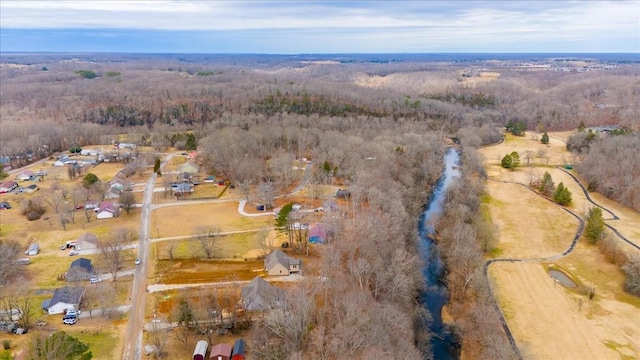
(238, 350)
(221, 352)
(201, 350)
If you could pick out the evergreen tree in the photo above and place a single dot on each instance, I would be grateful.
(546, 185)
(562, 195)
(594, 230)
(545, 138)
(156, 166)
(191, 144)
(3, 174)
(506, 162)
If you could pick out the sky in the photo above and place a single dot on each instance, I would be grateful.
(314, 27)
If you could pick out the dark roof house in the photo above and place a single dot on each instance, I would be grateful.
(80, 269)
(260, 295)
(63, 298)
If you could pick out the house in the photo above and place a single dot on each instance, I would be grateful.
(188, 167)
(25, 175)
(184, 177)
(127, 171)
(87, 241)
(237, 353)
(182, 188)
(34, 249)
(118, 183)
(260, 295)
(210, 179)
(80, 269)
(318, 234)
(221, 352)
(8, 186)
(279, 263)
(124, 146)
(113, 193)
(63, 298)
(107, 210)
(201, 350)
(58, 163)
(330, 205)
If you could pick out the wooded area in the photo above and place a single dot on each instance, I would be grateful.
(379, 130)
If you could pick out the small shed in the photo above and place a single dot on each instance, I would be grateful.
(34, 249)
(238, 350)
(201, 350)
(221, 352)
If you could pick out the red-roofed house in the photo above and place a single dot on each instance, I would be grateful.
(107, 210)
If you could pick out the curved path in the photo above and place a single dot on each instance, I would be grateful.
(613, 215)
(571, 247)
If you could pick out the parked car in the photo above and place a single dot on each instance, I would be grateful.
(70, 320)
(4, 206)
(137, 262)
(71, 313)
(74, 253)
(95, 280)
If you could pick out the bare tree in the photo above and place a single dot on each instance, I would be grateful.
(19, 296)
(127, 200)
(55, 196)
(9, 252)
(56, 173)
(207, 237)
(171, 248)
(111, 252)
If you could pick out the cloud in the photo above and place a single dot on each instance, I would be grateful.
(338, 25)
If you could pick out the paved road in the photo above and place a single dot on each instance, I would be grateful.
(133, 338)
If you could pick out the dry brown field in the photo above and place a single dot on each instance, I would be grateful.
(548, 320)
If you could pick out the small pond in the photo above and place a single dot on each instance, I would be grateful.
(562, 278)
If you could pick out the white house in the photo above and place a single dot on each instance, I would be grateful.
(63, 298)
(107, 210)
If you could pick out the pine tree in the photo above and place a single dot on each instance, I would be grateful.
(594, 230)
(546, 185)
(562, 195)
(156, 166)
(545, 138)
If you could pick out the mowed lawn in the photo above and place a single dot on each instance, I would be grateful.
(184, 219)
(226, 247)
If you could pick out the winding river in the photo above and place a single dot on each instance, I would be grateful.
(435, 296)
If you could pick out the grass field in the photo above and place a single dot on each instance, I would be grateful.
(182, 220)
(548, 320)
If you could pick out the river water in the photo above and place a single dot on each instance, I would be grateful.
(435, 296)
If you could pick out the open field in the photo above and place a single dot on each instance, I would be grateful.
(549, 321)
(183, 219)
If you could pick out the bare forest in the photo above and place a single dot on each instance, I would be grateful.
(379, 130)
